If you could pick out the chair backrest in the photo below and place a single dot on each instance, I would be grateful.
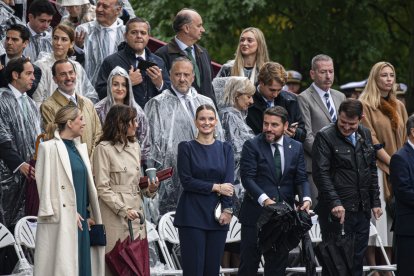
(167, 230)
(152, 234)
(25, 231)
(233, 235)
(6, 237)
(315, 232)
(373, 232)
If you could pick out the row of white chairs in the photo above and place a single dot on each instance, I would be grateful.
(24, 234)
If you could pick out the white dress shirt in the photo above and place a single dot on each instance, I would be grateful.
(322, 93)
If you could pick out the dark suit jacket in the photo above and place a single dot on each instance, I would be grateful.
(402, 179)
(4, 83)
(257, 170)
(171, 51)
(285, 99)
(124, 58)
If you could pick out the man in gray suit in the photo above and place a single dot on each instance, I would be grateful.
(319, 105)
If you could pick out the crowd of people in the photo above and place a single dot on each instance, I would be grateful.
(238, 142)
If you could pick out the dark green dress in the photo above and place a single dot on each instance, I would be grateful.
(80, 181)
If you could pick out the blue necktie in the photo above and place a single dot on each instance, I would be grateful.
(269, 103)
(351, 138)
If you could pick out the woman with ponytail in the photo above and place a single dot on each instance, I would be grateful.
(68, 201)
(63, 38)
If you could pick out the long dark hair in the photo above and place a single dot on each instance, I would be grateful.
(115, 128)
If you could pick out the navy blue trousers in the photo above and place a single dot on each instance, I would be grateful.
(201, 251)
(275, 261)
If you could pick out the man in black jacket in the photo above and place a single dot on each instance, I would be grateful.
(188, 26)
(271, 78)
(345, 173)
(146, 84)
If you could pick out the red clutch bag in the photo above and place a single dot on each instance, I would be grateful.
(162, 175)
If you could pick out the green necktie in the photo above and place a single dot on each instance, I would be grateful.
(278, 161)
(193, 61)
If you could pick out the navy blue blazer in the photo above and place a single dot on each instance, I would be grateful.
(257, 170)
(402, 179)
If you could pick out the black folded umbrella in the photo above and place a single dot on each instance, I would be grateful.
(336, 252)
(281, 227)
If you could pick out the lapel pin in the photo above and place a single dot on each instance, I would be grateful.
(290, 146)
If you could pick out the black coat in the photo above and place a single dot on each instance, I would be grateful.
(345, 174)
(285, 99)
(125, 58)
(171, 51)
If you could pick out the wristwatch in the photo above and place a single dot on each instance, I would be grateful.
(228, 211)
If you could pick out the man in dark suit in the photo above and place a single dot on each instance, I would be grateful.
(402, 179)
(188, 27)
(17, 39)
(316, 112)
(272, 168)
(146, 84)
(271, 78)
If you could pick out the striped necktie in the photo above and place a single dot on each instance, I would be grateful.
(189, 51)
(330, 107)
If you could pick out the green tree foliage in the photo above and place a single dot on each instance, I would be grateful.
(356, 33)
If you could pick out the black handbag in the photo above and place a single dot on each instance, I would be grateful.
(97, 235)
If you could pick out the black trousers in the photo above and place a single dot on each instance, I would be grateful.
(356, 223)
(404, 247)
(275, 261)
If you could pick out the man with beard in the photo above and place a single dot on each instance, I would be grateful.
(65, 77)
(19, 127)
(319, 106)
(272, 168)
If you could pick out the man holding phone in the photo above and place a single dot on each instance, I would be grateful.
(147, 72)
(269, 93)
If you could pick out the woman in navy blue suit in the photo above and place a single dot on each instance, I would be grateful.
(206, 170)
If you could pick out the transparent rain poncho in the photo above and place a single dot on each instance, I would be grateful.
(47, 85)
(170, 123)
(22, 132)
(218, 87)
(95, 44)
(236, 132)
(105, 104)
(39, 43)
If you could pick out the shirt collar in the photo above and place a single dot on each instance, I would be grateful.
(410, 143)
(181, 95)
(181, 44)
(142, 56)
(279, 142)
(320, 91)
(17, 94)
(67, 96)
(112, 27)
(32, 32)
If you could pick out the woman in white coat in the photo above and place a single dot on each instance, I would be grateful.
(68, 201)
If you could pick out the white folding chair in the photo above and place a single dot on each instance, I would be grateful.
(377, 268)
(6, 239)
(25, 234)
(168, 232)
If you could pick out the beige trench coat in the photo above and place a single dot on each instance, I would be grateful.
(117, 172)
(57, 231)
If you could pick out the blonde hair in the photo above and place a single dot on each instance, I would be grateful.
(63, 115)
(371, 95)
(262, 54)
(237, 86)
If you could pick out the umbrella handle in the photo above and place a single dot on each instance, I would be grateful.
(131, 231)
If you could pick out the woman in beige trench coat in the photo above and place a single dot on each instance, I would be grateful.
(116, 167)
(58, 216)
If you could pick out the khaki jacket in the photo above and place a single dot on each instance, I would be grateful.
(117, 172)
(93, 128)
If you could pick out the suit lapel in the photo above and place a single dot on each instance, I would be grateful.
(64, 158)
(336, 99)
(410, 152)
(318, 100)
(267, 153)
(288, 154)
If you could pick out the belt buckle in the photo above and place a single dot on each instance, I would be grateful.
(134, 189)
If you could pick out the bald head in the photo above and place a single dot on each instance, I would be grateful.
(188, 25)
